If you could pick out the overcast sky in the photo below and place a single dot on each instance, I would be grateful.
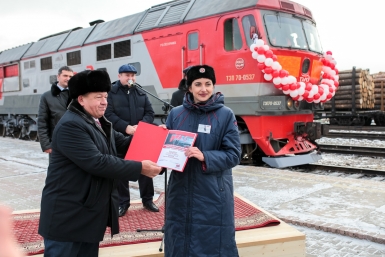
(350, 29)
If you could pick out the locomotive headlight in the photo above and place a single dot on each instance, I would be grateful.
(289, 103)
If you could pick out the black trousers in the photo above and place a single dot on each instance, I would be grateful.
(146, 189)
(70, 249)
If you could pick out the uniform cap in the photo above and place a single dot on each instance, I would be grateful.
(200, 71)
(127, 68)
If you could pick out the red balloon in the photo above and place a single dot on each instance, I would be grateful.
(316, 96)
(327, 62)
(332, 66)
(325, 76)
(330, 95)
(308, 87)
(306, 94)
(261, 50)
(283, 73)
(298, 85)
(323, 61)
(278, 86)
(320, 90)
(285, 87)
(331, 90)
(336, 83)
(324, 101)
(309, 100)
(268, 70)
(293, 86)
(275, 58)
(269, 54)
(256, 48)
(275, 74)
(261, 66)
(336, 70)
(329, 52)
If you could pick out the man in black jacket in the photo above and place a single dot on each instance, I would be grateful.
(80, 198)
(177, 96)
(53, 104)
(127, 105)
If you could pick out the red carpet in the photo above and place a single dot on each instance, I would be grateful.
(26, 225)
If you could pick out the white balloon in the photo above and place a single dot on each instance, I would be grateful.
(284, 80)
(275, 65)
(301, 90)
(333, 73)
(252, 47)
(261, 58)
(259, 42)
(292, 79)
(329, 57)
(254, 55)
(286, 92)
(323, 97)
(277, 81)
(311, 94)
(300, 98)
(266, 47)
(303, 85)
(294, 93)
(314, 89)
(268, 77)
(279, 68)
(317, 101)
(336, 77)
(269, 62)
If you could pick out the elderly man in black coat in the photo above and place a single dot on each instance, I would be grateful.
(126, 107)
(80, 198)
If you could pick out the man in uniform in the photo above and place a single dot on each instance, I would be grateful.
(177, 96)
(127, 105)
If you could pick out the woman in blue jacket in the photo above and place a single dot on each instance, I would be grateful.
(200, 203)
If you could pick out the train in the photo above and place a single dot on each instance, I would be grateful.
(275, 128)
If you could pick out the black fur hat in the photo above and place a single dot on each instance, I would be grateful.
(200, 71)
(89, 81)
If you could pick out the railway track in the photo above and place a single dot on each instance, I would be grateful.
(359, 132)
(349, 149)
(331, 169)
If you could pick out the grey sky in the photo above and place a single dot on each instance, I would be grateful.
(350, 29)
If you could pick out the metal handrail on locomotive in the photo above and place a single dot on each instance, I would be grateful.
(163, 40)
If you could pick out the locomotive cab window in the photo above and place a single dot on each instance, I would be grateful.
(193, 40)
(103, 52)
(248, 21)
(233, 39)
(74, 58)
(46, 63)
(122, 48)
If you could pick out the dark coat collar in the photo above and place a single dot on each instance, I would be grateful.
(79, 110)
(55, 90)
(117, 84)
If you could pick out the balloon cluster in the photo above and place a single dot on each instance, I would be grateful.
(269, 65)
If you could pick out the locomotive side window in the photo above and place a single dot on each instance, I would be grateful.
(74, 58)
(233, 39)
(46, 63)
(192, 40)
(103, 52)
(122, 48)
(248, 21)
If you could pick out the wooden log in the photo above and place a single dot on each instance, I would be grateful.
(350, 81)
(358, 70)
(349, 97)
(349, 75)
(342, 106)
(348, 87)
(378, 79)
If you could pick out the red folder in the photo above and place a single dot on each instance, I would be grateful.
(162, 146)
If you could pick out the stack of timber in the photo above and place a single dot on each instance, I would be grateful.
(363, 91)
(379, 90)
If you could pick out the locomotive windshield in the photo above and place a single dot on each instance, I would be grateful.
(292, 32)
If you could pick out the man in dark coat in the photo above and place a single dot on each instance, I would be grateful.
(127, 105)
(177, 96)
(53, 104)
(80, 198)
